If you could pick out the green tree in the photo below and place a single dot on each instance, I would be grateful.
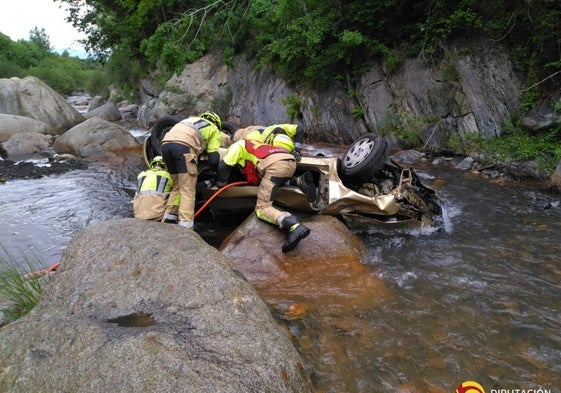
(40, 38)
(315, 41)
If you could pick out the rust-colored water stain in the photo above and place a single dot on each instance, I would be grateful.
(320, 288)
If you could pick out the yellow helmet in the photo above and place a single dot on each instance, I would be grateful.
(213, 118)
(284, 141)
(157, 162)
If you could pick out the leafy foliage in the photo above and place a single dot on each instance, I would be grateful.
(293, 105)
(314, 42)
(545, 148)
(62, 72)
(515, 145)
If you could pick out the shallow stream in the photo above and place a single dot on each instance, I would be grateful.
(479, 301)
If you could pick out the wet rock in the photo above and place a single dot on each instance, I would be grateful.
(324, 272)
(319, 290)
(139, 306)
(408, 157)
(10, 170)
(93, 136)
(465, 164)
(556, 177)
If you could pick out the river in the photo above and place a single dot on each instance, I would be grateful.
(479, 301)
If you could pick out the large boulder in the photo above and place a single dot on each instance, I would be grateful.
(107, 111)
(13, 124)
(24, 143)
(94, 136)
(324, 272)
(140, 306)
(321, 290)
(31, 97)
(541, 119)
(23, 135)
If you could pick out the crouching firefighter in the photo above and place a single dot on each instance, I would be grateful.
(269, 166)
(152, 192)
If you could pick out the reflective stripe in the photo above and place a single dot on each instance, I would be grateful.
(149, 182)
(152, 192)
(162, 182)
(198, 125)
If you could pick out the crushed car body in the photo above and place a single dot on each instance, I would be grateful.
(363, 187)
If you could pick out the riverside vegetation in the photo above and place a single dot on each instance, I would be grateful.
(321, 42)
(19, 292)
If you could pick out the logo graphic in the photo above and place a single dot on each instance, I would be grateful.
(469, 387)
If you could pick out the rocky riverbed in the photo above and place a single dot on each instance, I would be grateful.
(37, 168)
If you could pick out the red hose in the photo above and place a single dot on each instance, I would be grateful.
(203, 207)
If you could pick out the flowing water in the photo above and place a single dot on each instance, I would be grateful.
(479, 301)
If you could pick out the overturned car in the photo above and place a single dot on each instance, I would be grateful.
(363, 187)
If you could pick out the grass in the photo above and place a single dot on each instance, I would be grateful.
(19, 293)
(544, 148)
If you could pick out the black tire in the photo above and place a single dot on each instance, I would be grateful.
(148, 154)
(364, 158)
(229, 128)
(159, 129)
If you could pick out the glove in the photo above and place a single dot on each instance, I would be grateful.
(205, 184)
(297, 155)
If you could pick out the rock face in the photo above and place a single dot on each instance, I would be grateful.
(94, 136)
(139, 306)
(31, 97)
(465, 93)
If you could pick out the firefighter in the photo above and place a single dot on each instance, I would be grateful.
(269, 166)
(153, 190)
(267, 134)
(181, 147)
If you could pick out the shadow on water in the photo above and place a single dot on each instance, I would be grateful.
(479, 301)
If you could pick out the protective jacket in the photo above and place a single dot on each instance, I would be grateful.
(181, 147)
(246, 154)
(266, 135)
(152, 193)
(199, 134)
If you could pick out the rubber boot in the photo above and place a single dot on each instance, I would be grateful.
(296, 232)
(170, 218)
(306, 183)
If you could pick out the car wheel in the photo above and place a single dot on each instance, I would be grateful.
(159, 129)
(364, 158)
(147, 152)
(229, 128)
